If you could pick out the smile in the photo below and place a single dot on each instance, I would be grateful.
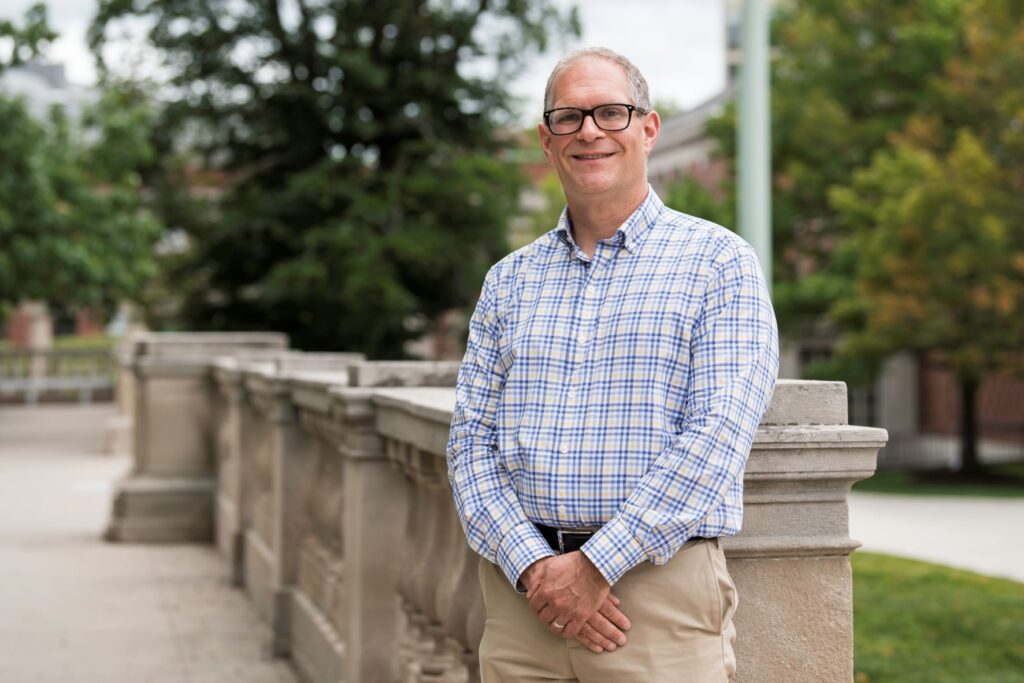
(589, 157)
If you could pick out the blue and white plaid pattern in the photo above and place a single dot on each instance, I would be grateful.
(619, 392)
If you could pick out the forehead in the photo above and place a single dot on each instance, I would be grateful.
(591, 81)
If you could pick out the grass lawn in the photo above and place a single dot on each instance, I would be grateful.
(921, 622)
(1001, 481)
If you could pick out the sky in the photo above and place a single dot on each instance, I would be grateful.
(679, 45)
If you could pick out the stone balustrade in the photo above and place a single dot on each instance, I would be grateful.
(790, 564)
(334, 512)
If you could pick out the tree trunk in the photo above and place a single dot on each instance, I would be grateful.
(969, 463)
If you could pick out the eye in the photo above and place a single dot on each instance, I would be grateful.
(613, 113)
(565, 116)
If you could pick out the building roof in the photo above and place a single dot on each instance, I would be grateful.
(42, 86)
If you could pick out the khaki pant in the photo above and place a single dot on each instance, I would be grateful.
(682, 627)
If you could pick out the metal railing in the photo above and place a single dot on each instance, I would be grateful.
(54, 374)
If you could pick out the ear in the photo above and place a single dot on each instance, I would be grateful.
(652, 125)
(545, 141)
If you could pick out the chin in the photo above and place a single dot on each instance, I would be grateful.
(596, 185)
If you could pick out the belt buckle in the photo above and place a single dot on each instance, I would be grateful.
(561, 541)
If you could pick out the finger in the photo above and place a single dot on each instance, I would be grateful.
(614, 600)
(606, 629)
(615, 615)
(595, 636)
(590, 644)
(537, 602)
(572, 629)
(547, 615)
(554, 629)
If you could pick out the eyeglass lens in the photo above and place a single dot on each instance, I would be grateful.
(610, 117)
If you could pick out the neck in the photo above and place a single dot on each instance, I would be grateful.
(596, 218)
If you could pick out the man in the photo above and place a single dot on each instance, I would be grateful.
(615, 372)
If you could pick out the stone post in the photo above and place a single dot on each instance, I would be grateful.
(791, 563)
(168, 495)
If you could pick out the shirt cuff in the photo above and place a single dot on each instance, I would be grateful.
(518, 549)
(614, 550)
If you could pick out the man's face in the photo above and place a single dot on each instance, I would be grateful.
(592, 161)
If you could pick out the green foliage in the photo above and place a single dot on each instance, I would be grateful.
(917, 622)
(936, 237)
(1005, 480)
(845, 76)
(26, 42)
(940, 257)
(687, 195)
(71, 219)
(362, 189)
(545, 219)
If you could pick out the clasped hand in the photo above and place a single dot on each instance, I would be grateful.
(569, 591)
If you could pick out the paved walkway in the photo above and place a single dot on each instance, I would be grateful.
(984, 535)
(76, 609)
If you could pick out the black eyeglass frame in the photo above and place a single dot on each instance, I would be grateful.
(590, 112)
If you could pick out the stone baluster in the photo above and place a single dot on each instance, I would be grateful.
(318, 637)
(169, 494)
(228, 520)
(258, 551)
(419, 642)
(455, 596)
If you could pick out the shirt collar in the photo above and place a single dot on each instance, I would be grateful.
(631, 233)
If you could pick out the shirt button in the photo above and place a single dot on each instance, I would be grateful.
(563, 511)
(582, 339)
(563, 450)
(590, 289)
(572, 394)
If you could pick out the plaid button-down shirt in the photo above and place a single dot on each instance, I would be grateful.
(619, 392)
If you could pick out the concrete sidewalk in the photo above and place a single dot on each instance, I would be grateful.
(984, 535)
(75, 608)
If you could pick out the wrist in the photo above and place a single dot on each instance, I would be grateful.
(526, 578)
(593, 572)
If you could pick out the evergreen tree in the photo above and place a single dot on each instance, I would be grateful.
(362, 187)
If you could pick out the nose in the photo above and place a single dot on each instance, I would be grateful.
(589, 130)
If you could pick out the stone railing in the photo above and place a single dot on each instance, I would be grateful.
(168, 495)
(334, 512)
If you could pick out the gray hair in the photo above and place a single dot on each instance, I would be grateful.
(635, 81)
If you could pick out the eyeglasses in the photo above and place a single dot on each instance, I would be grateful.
(607, 117)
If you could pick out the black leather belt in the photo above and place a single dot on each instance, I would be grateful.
(567, 540)
(564, 540)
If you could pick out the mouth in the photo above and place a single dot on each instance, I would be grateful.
(591, 157)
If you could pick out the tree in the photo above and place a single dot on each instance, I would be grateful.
(689, 196)
(72, 225)
(938, 221)
(363, 189)
(846, 74)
